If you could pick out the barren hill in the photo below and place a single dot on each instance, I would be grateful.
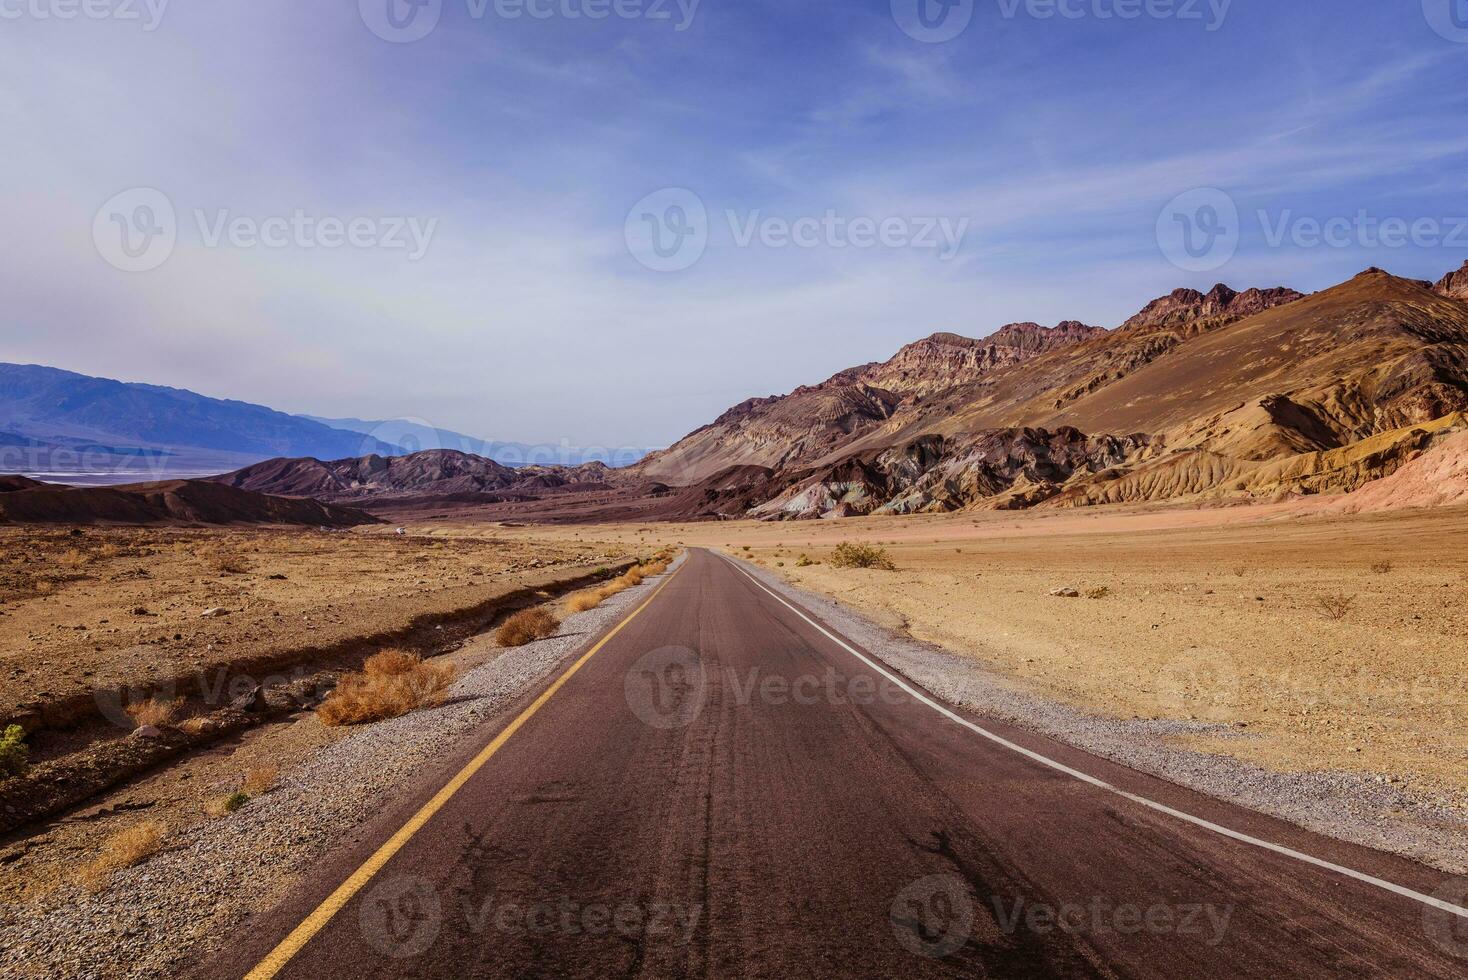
(171, 502)
(810, 422)
(433, 475)
(1223, 394)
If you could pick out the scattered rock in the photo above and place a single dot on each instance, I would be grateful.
(215, 612)
(147, 731)
(252, 701)
(1067, 592)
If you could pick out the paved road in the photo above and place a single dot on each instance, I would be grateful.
(723, 789)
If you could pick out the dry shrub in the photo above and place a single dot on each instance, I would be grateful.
(391, 662)
(230, 564)
(633, 576)
(527, 625)
(392, 683)
(583, 601)
(72, 558)
(848, 555)
(1381, 567)
(1335, 607)
(154, 712)
(219, 807)
(1100, 592)
(123, 850)
(258, 781)
(194, 725)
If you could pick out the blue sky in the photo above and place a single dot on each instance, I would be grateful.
(1056, 143)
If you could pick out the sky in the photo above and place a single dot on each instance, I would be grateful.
(603, 222)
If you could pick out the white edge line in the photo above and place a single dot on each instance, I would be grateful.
(1436, 903)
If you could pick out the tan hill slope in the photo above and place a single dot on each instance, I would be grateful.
(1225, 394)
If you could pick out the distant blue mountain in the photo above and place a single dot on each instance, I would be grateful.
(414, 436)
(59, 421)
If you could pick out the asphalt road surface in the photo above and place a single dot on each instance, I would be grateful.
(725, 788)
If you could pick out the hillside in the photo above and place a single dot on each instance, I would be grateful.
(169, 502)
(59, 421)
(1227, 395)
(433, 475)
(415, 436)
(810, 422)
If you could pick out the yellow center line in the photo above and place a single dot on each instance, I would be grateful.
(272, 964)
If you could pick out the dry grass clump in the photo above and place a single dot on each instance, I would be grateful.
(158, 714)
(583, 601)
(1100, 592)
(227, 563)
(259, 781)
(123, 850)
(1335, 607)
(858, 555)
(392, 683)
(1381, 567)
(592, 598)
(526, 626)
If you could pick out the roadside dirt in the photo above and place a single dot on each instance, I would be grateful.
(336, 585)
(124, 609)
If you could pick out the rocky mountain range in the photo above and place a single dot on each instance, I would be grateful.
(436, 475)
(1219, 396)
(1226, 395)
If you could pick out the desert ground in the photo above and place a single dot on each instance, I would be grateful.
(1320, 642)
(98, 620)
(99, 607)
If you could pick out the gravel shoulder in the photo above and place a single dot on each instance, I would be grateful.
(174, 909)
(1345, 805)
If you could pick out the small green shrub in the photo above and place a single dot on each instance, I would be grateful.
(848, 555)
(804, 562)
(235, 801)
(14, 756)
